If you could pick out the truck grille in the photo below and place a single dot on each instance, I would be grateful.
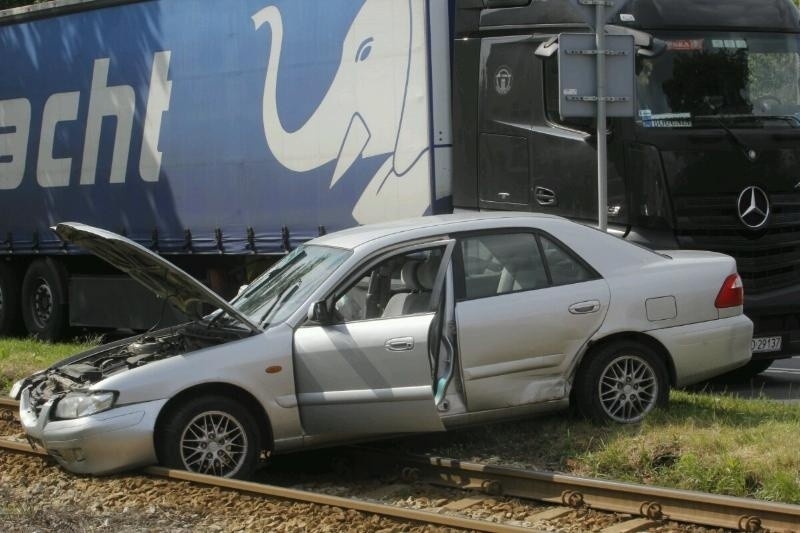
(767, 259)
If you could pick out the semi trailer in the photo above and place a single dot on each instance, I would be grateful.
(221, 135)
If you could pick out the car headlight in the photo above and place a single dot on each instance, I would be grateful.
(16, 388)
(78, 404)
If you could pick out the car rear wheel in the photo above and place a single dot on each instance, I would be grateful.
(213, 435)
(621, 382)
(44, 300)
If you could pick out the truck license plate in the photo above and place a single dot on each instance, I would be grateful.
(766, 344)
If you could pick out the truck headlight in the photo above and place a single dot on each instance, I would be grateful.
(16, 388)
(78, 404)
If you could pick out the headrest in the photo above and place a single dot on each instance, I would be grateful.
(426, 274)
(408, 275)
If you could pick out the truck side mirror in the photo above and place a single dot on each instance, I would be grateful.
(656, 48)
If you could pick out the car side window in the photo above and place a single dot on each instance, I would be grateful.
(398, 286)
(564, 268)
(502, 263)
(552, 99)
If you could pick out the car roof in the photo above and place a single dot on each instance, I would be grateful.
(421, 227)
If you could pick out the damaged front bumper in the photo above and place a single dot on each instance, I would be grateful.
(118, 439)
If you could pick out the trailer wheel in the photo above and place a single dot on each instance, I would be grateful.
(44, 300)
(9, 301)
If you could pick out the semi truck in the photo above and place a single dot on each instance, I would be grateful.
(222, 135)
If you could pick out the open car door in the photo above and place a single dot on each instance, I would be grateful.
(369, 369)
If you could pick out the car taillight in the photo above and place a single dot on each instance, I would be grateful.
(731, 294)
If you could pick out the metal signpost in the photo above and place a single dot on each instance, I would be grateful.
(611, 60)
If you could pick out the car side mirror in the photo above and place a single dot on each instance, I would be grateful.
(319, 313)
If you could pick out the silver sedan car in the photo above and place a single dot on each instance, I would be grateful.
(411, 326)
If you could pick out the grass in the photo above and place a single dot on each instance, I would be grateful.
(22, 357)
(711, 443)
(708, 442)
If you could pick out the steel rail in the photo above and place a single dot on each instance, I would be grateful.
(8, 403)
(655, 503)
(259, 489)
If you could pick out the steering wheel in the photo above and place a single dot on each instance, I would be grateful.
(766, 103)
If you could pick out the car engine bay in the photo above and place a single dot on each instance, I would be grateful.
(83, 370)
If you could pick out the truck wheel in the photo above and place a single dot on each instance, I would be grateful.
(44, 300)
(212, 435)
(9, 301)
(622, 382)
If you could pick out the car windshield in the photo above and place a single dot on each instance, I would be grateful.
(277, 294)
(746, 80)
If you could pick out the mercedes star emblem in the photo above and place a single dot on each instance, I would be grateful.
(753, 207)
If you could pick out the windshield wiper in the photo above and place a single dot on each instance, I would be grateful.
(732, 136)
(282, 296)
(272, 273)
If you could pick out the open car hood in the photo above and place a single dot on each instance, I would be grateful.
(163, 278)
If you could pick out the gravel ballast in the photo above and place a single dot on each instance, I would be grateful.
(37, 495)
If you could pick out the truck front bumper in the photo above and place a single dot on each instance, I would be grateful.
(707, 349)
(104, 443)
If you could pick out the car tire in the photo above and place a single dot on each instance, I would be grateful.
(621, 382)
(9, 301)
(44, 300)
(186, 443)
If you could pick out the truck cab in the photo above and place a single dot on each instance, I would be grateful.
(711, 160)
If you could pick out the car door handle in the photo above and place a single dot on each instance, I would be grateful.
(584, 308)
(401, 344)
(545, 197)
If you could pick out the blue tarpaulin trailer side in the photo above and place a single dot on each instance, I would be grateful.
(196, 128)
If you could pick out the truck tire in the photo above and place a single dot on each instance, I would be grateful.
(621, 383)
(9, 301)
(44, 300)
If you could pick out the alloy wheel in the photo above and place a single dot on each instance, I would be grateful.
(214, 443)
(628, 389)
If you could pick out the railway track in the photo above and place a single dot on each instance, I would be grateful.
(646, 506)
(8, 403)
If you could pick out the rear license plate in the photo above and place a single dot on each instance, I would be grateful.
(766, 344)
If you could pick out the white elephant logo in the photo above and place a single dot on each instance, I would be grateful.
(376, 105)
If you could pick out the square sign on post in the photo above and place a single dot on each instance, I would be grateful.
(577, 80)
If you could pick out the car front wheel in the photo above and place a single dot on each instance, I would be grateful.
(621, 382)
(214, 435)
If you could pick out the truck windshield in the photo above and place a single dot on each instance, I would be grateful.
(277, 294)
(746, 80)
